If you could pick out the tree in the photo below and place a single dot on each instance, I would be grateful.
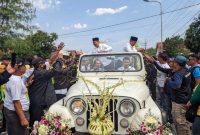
(174, 46)
(20, 46)
(42, 43)
(151, 51)
(192, 39)
(15, 17)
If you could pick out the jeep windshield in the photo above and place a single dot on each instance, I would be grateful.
(111, 63)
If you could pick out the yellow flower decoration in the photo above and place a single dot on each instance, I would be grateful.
(151, 120)
(62, 125)
(43, 130)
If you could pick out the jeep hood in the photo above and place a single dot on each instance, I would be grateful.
(135, 89)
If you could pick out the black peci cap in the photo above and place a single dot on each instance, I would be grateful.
(133, 38)
(95, 39)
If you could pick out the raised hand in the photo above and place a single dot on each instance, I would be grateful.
(150, 59)
(61, 46)
(142, 50)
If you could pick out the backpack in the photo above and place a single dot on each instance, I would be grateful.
(192, 111)
(186, 84)
(182, 95)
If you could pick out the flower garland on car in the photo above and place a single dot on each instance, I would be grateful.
(52, 124)
(100, 119)
(151, 126)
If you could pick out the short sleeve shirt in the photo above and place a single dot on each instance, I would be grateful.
(16, 90)
(196, 72)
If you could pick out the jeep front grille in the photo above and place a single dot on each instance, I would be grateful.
(112, 108)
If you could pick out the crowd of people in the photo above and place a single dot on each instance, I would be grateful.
(177, 81)
(32, 88)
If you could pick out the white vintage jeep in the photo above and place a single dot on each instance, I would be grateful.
(131, 102)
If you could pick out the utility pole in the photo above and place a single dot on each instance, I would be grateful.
(145, 45)
(161, 24)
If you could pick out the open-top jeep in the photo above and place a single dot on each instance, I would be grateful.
(130, 103)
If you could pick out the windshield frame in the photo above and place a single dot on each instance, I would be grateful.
(113, 54)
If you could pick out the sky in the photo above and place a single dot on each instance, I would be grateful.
(66, 17)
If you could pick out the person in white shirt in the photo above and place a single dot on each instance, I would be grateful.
(131, 46)
(126, 65)
(161, 77)
(85, 65)
(16, 103)
(100, 47)
(97, 65)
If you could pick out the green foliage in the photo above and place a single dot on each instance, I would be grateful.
(20, 46)
(151, 51)
(15, 17)
(15, 23)
(192, 39)
(40, 44)
(175, 46)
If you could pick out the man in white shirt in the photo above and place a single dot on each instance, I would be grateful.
(99, 47)
(16, 103)
(161, 77)
(85, 65)
(131, 46)
(126, 65)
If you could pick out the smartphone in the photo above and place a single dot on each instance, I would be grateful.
(13, 59)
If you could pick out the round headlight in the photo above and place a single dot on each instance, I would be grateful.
(127, 108)
(77, 106)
